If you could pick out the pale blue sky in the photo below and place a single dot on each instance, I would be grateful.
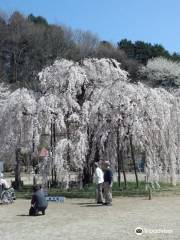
(154, 21)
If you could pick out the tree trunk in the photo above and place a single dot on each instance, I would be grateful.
(87, 176)
(34, 180)
(133, 159)
(118, 156)
(173, 169)
(17, 170)
(123, 170)
(53, 145)
(149, 193)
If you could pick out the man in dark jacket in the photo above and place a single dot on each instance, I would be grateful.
(38, 202)
(108, 180)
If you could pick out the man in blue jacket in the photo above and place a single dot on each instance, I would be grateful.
(38, 202)
(108, 180)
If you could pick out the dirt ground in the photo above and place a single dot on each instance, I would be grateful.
(81, 219)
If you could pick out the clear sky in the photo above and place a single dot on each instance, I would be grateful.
(154, 21)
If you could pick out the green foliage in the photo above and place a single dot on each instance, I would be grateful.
(28, 44)
(175, 56)
(142, 51)
(37, 20)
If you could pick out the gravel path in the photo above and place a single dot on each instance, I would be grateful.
(81, 219)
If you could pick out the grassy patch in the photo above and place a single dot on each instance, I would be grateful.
(89, 191)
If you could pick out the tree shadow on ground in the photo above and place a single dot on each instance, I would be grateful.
(91, 205)
(22, 215)
(27, 215)
(84, 203)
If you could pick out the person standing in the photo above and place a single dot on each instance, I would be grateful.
(99, 179)
(108, 181)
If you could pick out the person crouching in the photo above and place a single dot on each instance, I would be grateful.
(38, 202)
